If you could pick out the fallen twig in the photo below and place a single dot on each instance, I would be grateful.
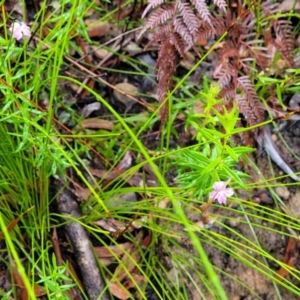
(275, 156)
(92, 280)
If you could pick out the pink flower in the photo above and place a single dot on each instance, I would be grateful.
(19, 30)
(220, 192)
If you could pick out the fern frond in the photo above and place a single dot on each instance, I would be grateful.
(227, 70)
(245, 136)
(159, 36)
(202, 10)
(228, 51)
(166, 62)
(181, 28)
(177, 41)
(223, 76)
(242, 27)
(228, 93)
(180, 24)
(255, 105)
(188, 17)
(254, 51)
(285, 40)
(151, 5)
(269, 8)
(158, 17)
(221, 4)
(207, 31)
(246, 109)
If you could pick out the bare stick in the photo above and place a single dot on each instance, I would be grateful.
(92, 280)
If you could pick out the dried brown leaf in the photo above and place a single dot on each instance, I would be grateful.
(290, 257)
(119, 291)
(110, 224)
(129, 260)
(95, 123)
(112, 251)
(122, 90)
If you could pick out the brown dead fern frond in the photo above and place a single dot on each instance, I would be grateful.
(181, 28)
(256, 106)
(188, 17)
(245, 109)
(151, 5)
(178, 43)
(159, 36)
(253, 50)
(285, 40)
(202, 10)
(158, 18)
(221, 4)
(223, 76)
(244, 138)
(269, 8)
(167, 61)
(206, 31)
(248, 47)
(228, 93)
(228, 67)
(176, 28)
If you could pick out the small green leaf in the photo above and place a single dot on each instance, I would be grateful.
(231, 152)
(211, 167)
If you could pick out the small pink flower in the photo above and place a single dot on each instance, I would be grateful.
(19, 30)
(220, 192)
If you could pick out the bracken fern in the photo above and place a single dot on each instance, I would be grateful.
(179, 25)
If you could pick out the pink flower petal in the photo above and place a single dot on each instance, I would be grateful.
(213, 194)
(222, 199)
(19, 30)
(219, 185)
(220, 192)
(229, 192)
